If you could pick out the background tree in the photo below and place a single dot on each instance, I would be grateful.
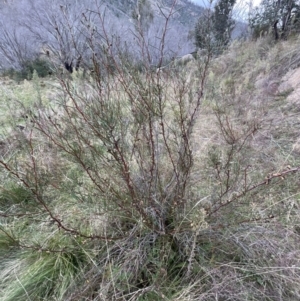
(203, 30)
(282, 16)
(214, 27)
(16, 46)
(143, 15)
(223, 21)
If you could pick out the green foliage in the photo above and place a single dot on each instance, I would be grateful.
(203, 30)
(282, 17)
(8, 242)
(213, 29)
(42, 275)
(223, 21)
(13, 194)
(42, 68)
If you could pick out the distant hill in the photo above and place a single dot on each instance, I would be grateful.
(29, 25)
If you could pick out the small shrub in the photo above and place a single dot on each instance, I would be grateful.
(42, 68)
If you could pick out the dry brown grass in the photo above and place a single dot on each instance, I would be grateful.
(237, 235)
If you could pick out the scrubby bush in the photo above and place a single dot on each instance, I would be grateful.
(145, 185)
(27, 69)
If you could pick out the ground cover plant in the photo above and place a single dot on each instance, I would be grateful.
(139, 183)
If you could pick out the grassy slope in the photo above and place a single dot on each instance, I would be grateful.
(241, 232)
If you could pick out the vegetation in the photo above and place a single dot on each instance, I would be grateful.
(41, 67)
(36, 29)
(131, 183)
(223, 21)
(280, 16)
(214, 28)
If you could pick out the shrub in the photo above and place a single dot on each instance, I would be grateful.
(42, 68)
(150, 185)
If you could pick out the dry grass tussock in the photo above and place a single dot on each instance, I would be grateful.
(75, 226)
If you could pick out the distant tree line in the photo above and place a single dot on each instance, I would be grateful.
(66, 29)
(282, 17)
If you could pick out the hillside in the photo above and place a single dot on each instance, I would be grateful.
(139, 184)
(187, 13)
(29, 26)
